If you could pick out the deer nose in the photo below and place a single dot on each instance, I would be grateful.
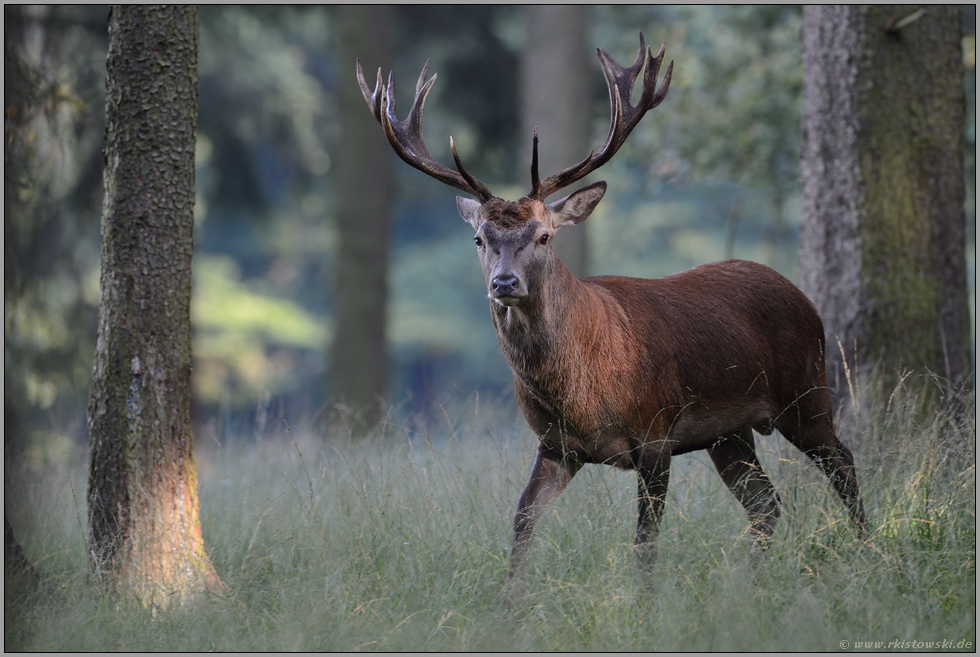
(505, 285)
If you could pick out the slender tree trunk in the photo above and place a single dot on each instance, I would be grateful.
(882, 251)
(144, 530)
(556, 83)
(365, 193)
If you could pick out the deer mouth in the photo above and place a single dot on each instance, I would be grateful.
(508, 300)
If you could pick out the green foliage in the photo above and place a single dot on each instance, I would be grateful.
(734, 102)
(52, 140)
(262, 91)
(400, 543)
(247, 338)
(732, 116)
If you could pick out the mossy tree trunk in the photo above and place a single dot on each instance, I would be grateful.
(882, 250)
(144, 530)
(557, 77)
(359, 362)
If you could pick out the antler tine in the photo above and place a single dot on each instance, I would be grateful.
(373, 100)
(650, 79)
(389, 94)
(623, 116)
(482, 190)
(560, 180)
(535, 180)
(421, 82)
(406, 138)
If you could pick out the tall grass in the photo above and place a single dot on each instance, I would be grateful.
(400, 542)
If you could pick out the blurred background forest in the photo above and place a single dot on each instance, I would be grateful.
(712, 173)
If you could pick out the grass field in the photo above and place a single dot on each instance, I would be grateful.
(400, 542)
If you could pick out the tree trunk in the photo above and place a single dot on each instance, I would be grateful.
(556, 83)
(365, 192)
(144, 531)
(882, 251)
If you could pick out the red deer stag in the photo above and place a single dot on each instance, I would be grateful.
(631, 372)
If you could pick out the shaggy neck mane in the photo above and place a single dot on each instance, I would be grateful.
(537, 337)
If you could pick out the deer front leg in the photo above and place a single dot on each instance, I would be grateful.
(653, 473)
(549, 476)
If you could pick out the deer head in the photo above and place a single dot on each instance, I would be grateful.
(514, 238)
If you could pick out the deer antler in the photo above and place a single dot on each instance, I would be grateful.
(406, 136)
(624, 116)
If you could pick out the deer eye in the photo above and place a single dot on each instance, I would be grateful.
(543, 239)
(479, 242)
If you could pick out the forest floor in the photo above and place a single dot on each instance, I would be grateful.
(399, 542)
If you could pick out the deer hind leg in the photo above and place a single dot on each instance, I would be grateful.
(549, 476)
(736, 461)
(810, 428)
(653, 475)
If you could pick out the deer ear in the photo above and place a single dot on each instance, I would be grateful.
(469, 210)
(576, 207)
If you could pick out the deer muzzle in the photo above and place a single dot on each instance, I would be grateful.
(506, 289)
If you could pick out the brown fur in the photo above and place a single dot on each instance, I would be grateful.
(630, 372)
(510, 214)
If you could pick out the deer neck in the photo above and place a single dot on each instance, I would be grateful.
(537, 337)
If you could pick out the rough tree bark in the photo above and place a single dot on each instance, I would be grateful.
(144, 530)
(358, 377)
(556, 84)
(882, 251)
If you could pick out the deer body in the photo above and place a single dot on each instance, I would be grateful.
(609, 363)
(629, 372)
